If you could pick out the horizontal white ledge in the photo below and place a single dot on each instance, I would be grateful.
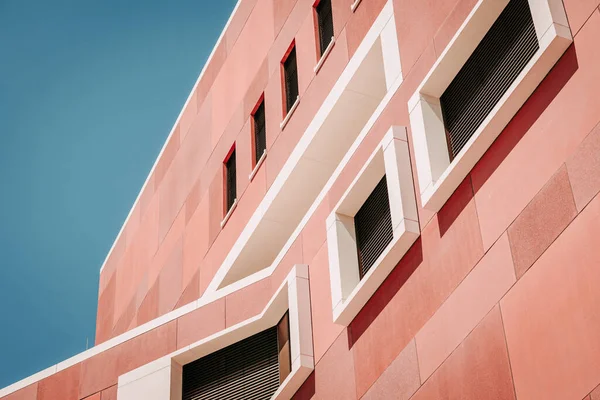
(354, 5)
(289, 114)
(325, 55)
(261, 160)
(228, 215)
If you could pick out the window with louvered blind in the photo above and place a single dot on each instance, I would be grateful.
(325, 21)
(499, 58)
(373, 224)
(260, 132)
(290, 72)
(251, 369)
(230, 172)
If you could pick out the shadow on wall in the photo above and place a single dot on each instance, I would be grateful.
(392, 285)
(533, 108)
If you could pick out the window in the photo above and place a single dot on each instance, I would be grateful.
(252, 368)
(371, 228)
(267, 356)
(373, 223)
(325, 21)
(490, 67)
(260, 132)
(494, 65)
(290, 73)
(230, 173)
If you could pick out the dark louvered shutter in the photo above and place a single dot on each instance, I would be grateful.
(231, 180)
(486, 76)
(247, 370)
(325, 18)
(373, 224)
(291, 79)
(260, 132)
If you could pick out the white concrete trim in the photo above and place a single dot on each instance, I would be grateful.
(261, 160)
(349, 293)
(164, 374)
(324, 55)
(359, 92)
(289, 113)
(438, 177)
(229, 213)
(214, 295)
(162, 150)
(355, 5)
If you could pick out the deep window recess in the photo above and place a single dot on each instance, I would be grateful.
(290, 70)
(283, 346)
(325, 20)
(501, 55)
(260, 132)
(249, 369)
(373, 224)
(231, 180)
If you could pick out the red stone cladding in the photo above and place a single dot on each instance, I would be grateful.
(498, 297)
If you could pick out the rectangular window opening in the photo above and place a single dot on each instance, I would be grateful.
(290, 71)
(487, 75)
(230, 171)
(373, 225)
(248, 369)
(260, 132)
(325, 22)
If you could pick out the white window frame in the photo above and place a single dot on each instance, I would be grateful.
(438, 177)
(349, 293)
(162, 378)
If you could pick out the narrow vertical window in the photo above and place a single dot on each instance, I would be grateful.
(325, 21)
(290, 72)
(260, 132)
(373, 223)
(230, 180)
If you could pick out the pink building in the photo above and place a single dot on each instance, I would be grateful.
(378, 199)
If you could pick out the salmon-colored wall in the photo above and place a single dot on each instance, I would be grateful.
(496, 300)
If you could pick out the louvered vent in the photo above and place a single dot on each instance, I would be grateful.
(373, 224)
(291, 79)
(503, 53)
(260, 132)
(247, 370)
(325, 18)
(231, 180)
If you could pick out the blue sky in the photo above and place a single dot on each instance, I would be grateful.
(89, 90)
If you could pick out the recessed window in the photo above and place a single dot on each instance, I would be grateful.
(372, 226)
(265, 357)
(488, 70)
(252, 368)
(373, 223)
(325, 21)
(230, 181)
(499, 58)
(290, 73)
(260, 132)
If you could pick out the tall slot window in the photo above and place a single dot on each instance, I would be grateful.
(230, 180)
(325, 21)
(252, 368)
(373, 224)
(260, 132)
(290, 73)
(495, 64)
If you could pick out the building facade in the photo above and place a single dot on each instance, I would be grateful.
(376, 199)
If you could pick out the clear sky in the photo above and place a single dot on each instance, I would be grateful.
(89, 90)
